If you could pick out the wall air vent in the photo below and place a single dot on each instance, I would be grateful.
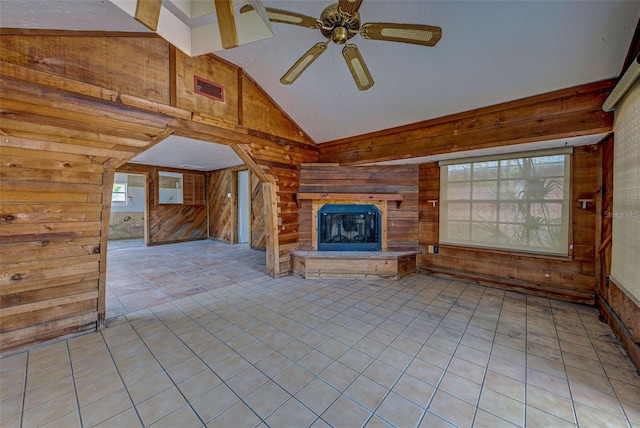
(208, 89)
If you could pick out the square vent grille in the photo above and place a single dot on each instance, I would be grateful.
(208, 89)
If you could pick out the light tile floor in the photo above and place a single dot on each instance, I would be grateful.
(289, 352)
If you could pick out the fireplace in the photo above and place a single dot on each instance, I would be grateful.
(349, 227)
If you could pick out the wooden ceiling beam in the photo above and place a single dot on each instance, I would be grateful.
(560, 114)
(226, 23)
(30, 122)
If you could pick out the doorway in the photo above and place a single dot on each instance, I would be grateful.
(244, 229)
(128, 202)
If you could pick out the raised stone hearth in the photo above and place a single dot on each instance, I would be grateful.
(353, 264)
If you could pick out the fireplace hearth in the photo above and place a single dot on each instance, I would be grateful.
(349, 227)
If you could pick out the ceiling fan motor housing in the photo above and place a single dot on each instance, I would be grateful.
(337, 26)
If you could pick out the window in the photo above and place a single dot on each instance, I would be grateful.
(514, 203)
(625, 245)
(119, 193)
(170, 191)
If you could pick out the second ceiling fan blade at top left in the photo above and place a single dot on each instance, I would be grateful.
(287, 17)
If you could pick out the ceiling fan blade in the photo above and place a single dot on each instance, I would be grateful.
(148, 13)
(287, 17)
(303, 63)
(425, 35)
(349, 7)
(358, 68)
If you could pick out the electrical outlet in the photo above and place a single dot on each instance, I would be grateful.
(435, 249)
(430, 249)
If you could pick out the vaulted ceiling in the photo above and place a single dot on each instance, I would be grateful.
(490, 52)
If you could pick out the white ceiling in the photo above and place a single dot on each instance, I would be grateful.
(185, 153)
(490, 52)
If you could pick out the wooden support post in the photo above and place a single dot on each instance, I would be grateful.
(271, 228)
(107, 188)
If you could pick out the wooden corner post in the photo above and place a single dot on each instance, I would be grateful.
(269, 192)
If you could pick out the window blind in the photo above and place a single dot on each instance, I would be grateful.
(625, 258)
(515, 202)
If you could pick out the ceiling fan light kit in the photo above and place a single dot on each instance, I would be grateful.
(339, 22)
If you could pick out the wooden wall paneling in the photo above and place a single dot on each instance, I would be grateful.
(188, 193)
(193, 189)
(571, 278)
(260, 113)
(560, 114)
(220, 205)
(132, 65)
(625, 326)
(214, 70)
(169, 223)
(51, 235)
(257, 213)
(603, 254)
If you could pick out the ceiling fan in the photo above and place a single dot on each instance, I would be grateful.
(339, 22)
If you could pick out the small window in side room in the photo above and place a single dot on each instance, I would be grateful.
(119, 193)
(170, 188)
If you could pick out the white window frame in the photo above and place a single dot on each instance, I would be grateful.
(491, 233)
(125, 193)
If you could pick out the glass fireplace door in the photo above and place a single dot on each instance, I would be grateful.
(349, 228)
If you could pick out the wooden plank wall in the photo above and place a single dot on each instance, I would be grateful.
(123, 64)
(571, 279)
(56, 179)
(256, 219)
(169, 223)
(559, 114)
(222, 208)
(50, 231)
(220, 205)
(402, 223)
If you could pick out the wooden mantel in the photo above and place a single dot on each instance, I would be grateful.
(397, 197)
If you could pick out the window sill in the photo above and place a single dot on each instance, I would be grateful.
(509, 253)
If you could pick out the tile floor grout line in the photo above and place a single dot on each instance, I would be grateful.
(573, 403)
(73, 381)
(24, 387)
